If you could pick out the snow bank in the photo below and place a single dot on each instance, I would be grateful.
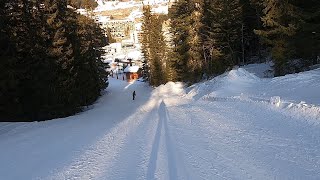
(286, 92)
(228, 84)
(263, 70)
(242, 75)
(170, 89)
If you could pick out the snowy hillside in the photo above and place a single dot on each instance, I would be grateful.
(235, 126)
(112, 5)
(295, 92)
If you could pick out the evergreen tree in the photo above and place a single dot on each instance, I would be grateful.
(154, 48)
(250, 42)
(307, 40)
(171, 74)
(186, 26)
(49, 67)
(157, 52)
(23, 32)
(62, 50)
(8, 73)
(281, 21)
(91, 74)
(222, 35)
(146, 41)
(290, 29)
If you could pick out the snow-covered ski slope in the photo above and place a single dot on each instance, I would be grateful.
(236, 126)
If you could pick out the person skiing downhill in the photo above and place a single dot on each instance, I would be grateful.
(133, 95)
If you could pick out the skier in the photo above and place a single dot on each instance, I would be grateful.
(133, 95)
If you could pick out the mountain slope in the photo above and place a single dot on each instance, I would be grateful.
(232, 127)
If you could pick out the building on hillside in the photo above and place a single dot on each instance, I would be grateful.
(132, 73)
(154, 2)
(113, 48)
(119, 29)
(127, 44)
(137, 36)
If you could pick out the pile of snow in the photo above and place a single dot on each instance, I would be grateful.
(294, 87)
(170, 88)
(171, 91)
(241, 75)
(263, 70)
(285, 92)
(231, 83)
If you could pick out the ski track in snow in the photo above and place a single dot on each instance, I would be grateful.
(245, 149)
(167, 133)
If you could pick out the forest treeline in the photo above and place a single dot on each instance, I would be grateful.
(204, 38)
(50, 59)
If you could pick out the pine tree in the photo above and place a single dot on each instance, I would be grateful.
(8, 73)
(90, 74)
(171, 74)
(49, 68)
(62, 50)
(24, 62)
(185, 28)
(222, 35)
(154, 48)
(290, 29)
(281, 21)
(195, 62)
(307, 40)
(250, 42)
(157, 52)
(146, 41)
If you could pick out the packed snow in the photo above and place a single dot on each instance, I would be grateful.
(235, 126)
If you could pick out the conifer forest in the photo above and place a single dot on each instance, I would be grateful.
(50, 60)
(208, 37)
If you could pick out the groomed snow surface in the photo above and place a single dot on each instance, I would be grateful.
(235, 126)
